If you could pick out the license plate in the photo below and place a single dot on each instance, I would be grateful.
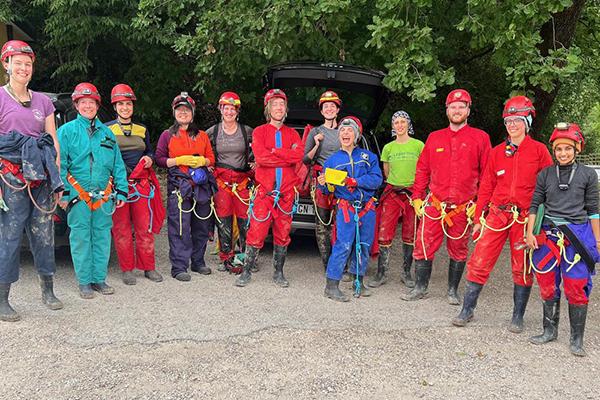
(306, 209)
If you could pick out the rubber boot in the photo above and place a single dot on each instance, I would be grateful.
(333, 292)
(48, 297)
(224, 229)
(279, 253)
(577, 317)
(405, 275)
(7, 313)
(249, 260)
(550, 323)
(382, 265)
(323, 236)
(364, 292)
(472, 291)
(520, 298)
(243, 229)
(455, 271)
(422, 275)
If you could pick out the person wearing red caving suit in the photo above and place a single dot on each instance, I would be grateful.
(502, 206)
(277, 149)
(451, 165)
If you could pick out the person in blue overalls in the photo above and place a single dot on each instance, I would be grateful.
(355, 217)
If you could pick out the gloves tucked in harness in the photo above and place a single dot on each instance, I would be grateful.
(418, 206)
(351, 184)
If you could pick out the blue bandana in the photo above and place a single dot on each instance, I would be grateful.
(403, 114)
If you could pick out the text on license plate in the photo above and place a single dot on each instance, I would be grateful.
(306, 209)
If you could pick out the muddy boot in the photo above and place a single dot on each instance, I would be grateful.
(48, 297)
(279, 253)
(422, 275)
(382, 265)
(153, 275)
(520, 298)
(129, 278)
(242, 224)
(249, 261)
(550, 323)
(224, 230)
(7, 313)
(363, 292)
(323, 235)
(577, 316)
(472, 291)
(405, 275)
(103, 288)
(455, 271)
(333, 292)
(86, 291)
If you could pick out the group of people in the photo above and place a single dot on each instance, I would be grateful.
(245, 181)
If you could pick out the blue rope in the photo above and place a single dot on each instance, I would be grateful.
(136, 195)
(357, 248)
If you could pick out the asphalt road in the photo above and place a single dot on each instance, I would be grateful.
(208, 339)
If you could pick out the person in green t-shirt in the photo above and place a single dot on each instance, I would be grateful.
(399, 165)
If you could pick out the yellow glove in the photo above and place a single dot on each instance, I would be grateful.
(470, 210)
(185, 160)
(418, 206)
(198, 161)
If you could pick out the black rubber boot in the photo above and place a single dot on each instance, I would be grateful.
(577, 317)
(279, 253)
(550, 323)
(405, 275)
(224, 230)
(242, 224)
(422, 275)
(455, 271)
(48, 297)
(333, 292)
(472, 291)
(363, 292)
(520, 298)
(7, 313)
(249, 261)
(323, 235)
(382, 265)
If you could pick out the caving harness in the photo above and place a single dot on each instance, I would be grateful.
(94, 199)
(7, 167)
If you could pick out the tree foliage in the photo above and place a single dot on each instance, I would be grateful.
(491, 48)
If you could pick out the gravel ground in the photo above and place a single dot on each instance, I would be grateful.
(209, 339)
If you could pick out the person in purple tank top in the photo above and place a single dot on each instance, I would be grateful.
(26, 204)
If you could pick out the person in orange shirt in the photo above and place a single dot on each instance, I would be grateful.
(186, 151)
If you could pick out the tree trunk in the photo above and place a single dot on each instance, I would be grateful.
(559, 34)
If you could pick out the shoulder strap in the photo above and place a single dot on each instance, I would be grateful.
(213, 139)
(245, 135)
(316, 156)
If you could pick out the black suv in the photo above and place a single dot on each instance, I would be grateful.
(64, 113)
(363, 95)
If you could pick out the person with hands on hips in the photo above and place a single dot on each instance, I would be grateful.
(186, 151)
(563, 234)
(353, 175)
(96, 183)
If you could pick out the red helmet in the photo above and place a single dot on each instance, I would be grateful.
(518, 106)
(567, 133)
(122, 92)
(458, 95)
(273, 94)
(16, 47)
(330, 96)
(184, 99)
(84, 90)
(230, 98)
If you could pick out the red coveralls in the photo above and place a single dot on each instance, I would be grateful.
(394, 206)
(507, 181)
(268, 159)
(451, 164)
(137, 213)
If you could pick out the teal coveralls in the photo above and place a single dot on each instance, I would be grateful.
(89, 152)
